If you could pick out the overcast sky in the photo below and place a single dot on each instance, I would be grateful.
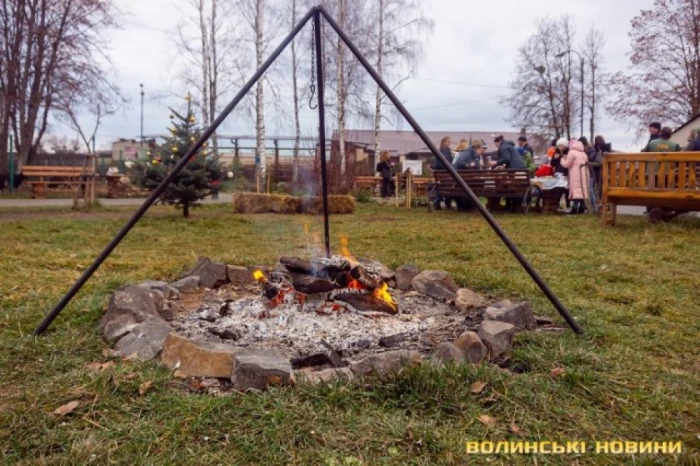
(468, 64)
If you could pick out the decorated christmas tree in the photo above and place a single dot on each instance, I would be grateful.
(194, 182)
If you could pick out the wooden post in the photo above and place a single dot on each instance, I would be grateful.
(269, 182)
(396, 186)
(277, 159)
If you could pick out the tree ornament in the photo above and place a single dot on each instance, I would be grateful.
(192, 120)
(174, 148)
(192, 139)
(172, 116)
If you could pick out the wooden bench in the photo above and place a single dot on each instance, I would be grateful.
(373, 184)
(669, 181)
(491, 184)
(61, 176)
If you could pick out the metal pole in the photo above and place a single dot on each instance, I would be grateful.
(322, 126)
(12, 165)
(583, 94)
(158, 191)
(458, 179)
(142, 94)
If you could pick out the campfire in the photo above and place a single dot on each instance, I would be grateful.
(324, 286)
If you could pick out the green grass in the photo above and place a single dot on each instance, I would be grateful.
(635, 375)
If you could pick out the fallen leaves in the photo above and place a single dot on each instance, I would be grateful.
(66, 408)
(100, 366)
(487, 420)
(557, 372)
(478, 387)
(144, 387)
(514, 428)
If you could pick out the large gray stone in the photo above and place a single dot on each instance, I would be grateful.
(324, 376)
(145, 341)
(383, 364)
(117, 327)
(190, 358)
(211, 274)
(472, 347)
(256, 369)
(519, 315)
(168, 291)
(127, 307)
(404, 275)
(467, 300)
(497, 336)
(186, 285)
(239, 275)
(435, 283)
(445, 353)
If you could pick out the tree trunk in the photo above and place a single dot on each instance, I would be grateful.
(342, 95)
(214, 78)
(297, 125)
(593, 103)
(186, 209)
(259, 90)
(378, 97)
(205, 64)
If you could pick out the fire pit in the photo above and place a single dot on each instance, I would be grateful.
(316, 319)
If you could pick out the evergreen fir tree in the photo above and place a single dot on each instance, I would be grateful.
(194, 182)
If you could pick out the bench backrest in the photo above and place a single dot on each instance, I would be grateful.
(59, 172)
(485, 183)
(650, 171)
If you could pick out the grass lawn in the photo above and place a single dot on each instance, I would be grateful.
(635, 375)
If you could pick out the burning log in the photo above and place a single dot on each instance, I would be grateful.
(312, 285)
(298, 266)
(367, 303)
(360, 274)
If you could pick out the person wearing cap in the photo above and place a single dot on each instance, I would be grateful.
(561, 149)
(522, 143)
(654, 133)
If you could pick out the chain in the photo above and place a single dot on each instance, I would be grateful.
(312, 85)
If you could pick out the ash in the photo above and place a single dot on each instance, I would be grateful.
(241, 318)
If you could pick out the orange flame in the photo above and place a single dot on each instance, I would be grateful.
(259, 275)
(355, 285)
(382, 292)
(344, 240)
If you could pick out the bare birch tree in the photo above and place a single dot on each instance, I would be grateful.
(265, 22)
(295, 85)
(341, 91)
(210, 44)
(401, 30)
